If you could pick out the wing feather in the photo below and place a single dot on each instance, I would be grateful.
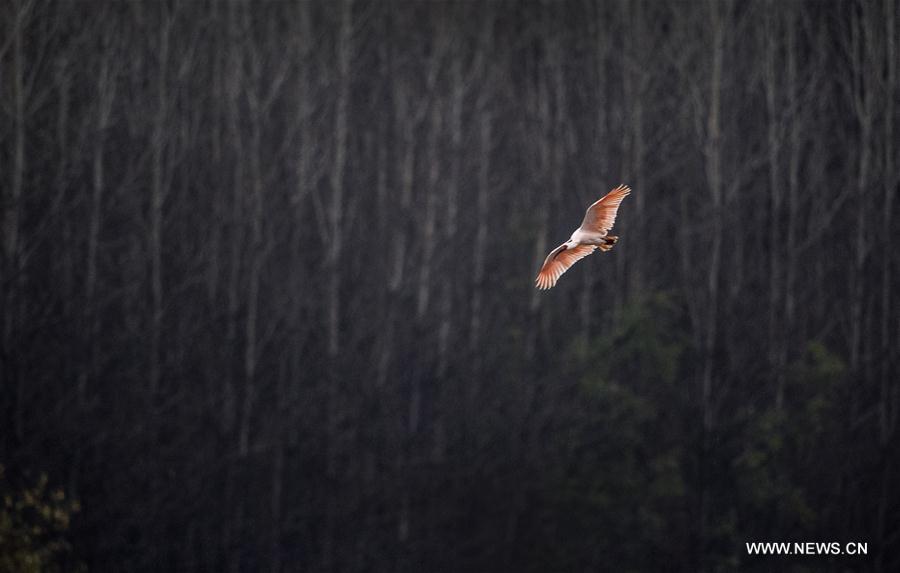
(559, 261)
(601, 216)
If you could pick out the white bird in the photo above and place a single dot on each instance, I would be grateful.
(592, 234)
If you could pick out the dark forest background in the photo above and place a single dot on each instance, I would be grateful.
(267, 283)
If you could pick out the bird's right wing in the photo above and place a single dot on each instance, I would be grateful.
(601, 216)
(559, 261)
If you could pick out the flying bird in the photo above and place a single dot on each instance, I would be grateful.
(592, 234)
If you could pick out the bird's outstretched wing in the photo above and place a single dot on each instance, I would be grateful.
(600, 216)
(558, 261)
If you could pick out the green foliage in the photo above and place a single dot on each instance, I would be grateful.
(33, 522)
(782, 445)
(813, 382)
(631, 466)
(646, 347)
(624, 471)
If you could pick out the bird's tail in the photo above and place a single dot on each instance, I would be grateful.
(608, 243)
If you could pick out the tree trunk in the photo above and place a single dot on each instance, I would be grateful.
(157, 198)
(634, 85)
(12, 243)
(793, 199)
(713, 165)
(334, 251)
(450, 220)
(434, 162)
(481, 237)
(254, 263)
(774, 132)
(888, 395)
(601, 53)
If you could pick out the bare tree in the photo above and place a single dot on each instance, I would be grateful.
(635, 81)
(889, 395)
(158, 192)
(482, 202)
(334, 252)
(775, 137)
(19, 18)
(106, 89)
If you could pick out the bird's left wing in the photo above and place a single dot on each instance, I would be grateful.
(600, 216)
(559, 261)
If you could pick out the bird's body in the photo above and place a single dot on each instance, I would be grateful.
(591, 235)
(582, 237)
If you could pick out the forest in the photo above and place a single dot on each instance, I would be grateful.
(267, 285)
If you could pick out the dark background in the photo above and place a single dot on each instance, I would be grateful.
(267, 282)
